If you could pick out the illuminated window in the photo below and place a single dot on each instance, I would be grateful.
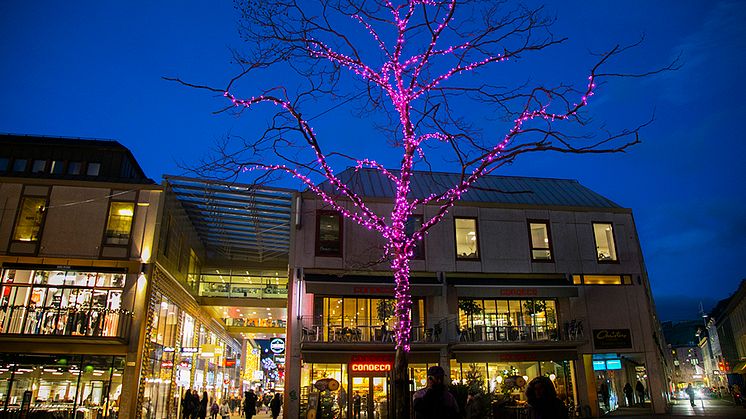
(602, 279)
(29, 219)
(605, 245)
(541, 248)
(577, 279)
(467, 241)
(120, 222)
(413, 224)
(328, 234)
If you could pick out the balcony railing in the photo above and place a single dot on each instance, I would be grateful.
(226, 290)
(65, 321)
(440, 331)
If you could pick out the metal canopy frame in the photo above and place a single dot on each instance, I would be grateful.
(234, 221)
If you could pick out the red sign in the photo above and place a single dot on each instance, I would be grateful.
(229, 362)
(520, 292)
(377, 367)
(370, 359)
(374, 290)
(167, 364)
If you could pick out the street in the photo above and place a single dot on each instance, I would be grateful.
(724, 409)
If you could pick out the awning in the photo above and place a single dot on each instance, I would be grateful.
(515, 356)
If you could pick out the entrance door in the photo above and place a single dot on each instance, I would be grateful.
(369, 397)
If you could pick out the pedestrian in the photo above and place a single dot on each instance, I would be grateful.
(543, 401)
(275, 405)
(203, 406)
(435, 401)
(195, 404)
(249, 404)
(629, 394)
(214, 409)
(186, 405)
(640, 389)
(690, 392)
(472, 407)
(356, 405)
(605, 395)
(225, 410)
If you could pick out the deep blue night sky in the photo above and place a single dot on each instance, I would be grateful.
(93, 69)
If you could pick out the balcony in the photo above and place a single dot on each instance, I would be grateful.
(262, 290)
(313, 329)
(65, 321)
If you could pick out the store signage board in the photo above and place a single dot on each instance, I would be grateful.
(612, 338)
(189, 351)
(613, 364)
(277, 346)
(370, 367)
(599, 365)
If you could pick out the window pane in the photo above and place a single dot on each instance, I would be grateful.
(93, 169)
(540, 241)
(329, 234)
(4, 162)
(466, 238)
(120, 222)
(29, 219)
(38, 166)
(413, 224)
(58, 167)
(74, 168)
(602, 279)
(19, 165)
(605, 249)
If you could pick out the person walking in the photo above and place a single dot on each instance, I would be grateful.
(203, 406)
(357, 403)
(690, 392)
(629, 395)
(543, 402)
(606, 395)
(214, 409)
(225, 410)
(249, 404)
(275, 405)
(186, 405)
(640, 389)
(435, 401)
(195, 404)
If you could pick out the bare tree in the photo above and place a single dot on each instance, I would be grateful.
(417, 64)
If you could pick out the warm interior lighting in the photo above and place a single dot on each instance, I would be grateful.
(125, 212)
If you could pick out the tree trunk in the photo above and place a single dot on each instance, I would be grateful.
(402, 397)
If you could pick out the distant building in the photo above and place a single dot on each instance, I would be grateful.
(683, 342)
(730, 320)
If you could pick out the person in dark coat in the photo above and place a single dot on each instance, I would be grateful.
(543, 401)
(435, 401)
(195, 404)
(629, 394)
(605, 395)
(203, 406)
(186, 405)
(640, 389)
(249, 404)
(275, 405)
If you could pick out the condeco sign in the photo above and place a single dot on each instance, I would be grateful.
(370, 367)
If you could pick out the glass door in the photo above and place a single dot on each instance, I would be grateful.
(360, 398)
(380, 390)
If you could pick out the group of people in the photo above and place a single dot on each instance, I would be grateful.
(436, 402)
(629, 394)
(192, 407)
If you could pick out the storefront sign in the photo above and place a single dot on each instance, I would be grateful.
(378, 367)
(188, 350)
(372, 358)
(277, 346)
(279, 359)
(169, 349)
(374, 290)
(184, 364)
(609, 364)
(612, 338)
(167, 364)
(207, 351)
(229, 362)
(519, 292)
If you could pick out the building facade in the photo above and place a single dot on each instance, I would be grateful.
(729, 318)
(548, 280)
(76, 230)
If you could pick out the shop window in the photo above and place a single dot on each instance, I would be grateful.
(19, 165)
(74, 168)
(467, 240)
(328, 234)
(119, 225)
(349, 319)
(605, 244)
(38, 166)
(414, 223)
(507, 320)
(30, 218)
(541, 246)
(93, 169)
(57, 168)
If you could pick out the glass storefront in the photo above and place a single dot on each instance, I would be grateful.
(63, 302)
(61, 386)
(508, 319)
(184, 355)
(244, 284)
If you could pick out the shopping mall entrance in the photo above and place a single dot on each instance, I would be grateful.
(369, 384)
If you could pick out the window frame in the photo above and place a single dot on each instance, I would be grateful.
(318, 252)
(421, 244)
(531, 244)
(478, 257)
(132, 224)
(613, 239)
(19, 211)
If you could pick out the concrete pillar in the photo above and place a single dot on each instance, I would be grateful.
(291, 399)
(657, 387)
(587, 393)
